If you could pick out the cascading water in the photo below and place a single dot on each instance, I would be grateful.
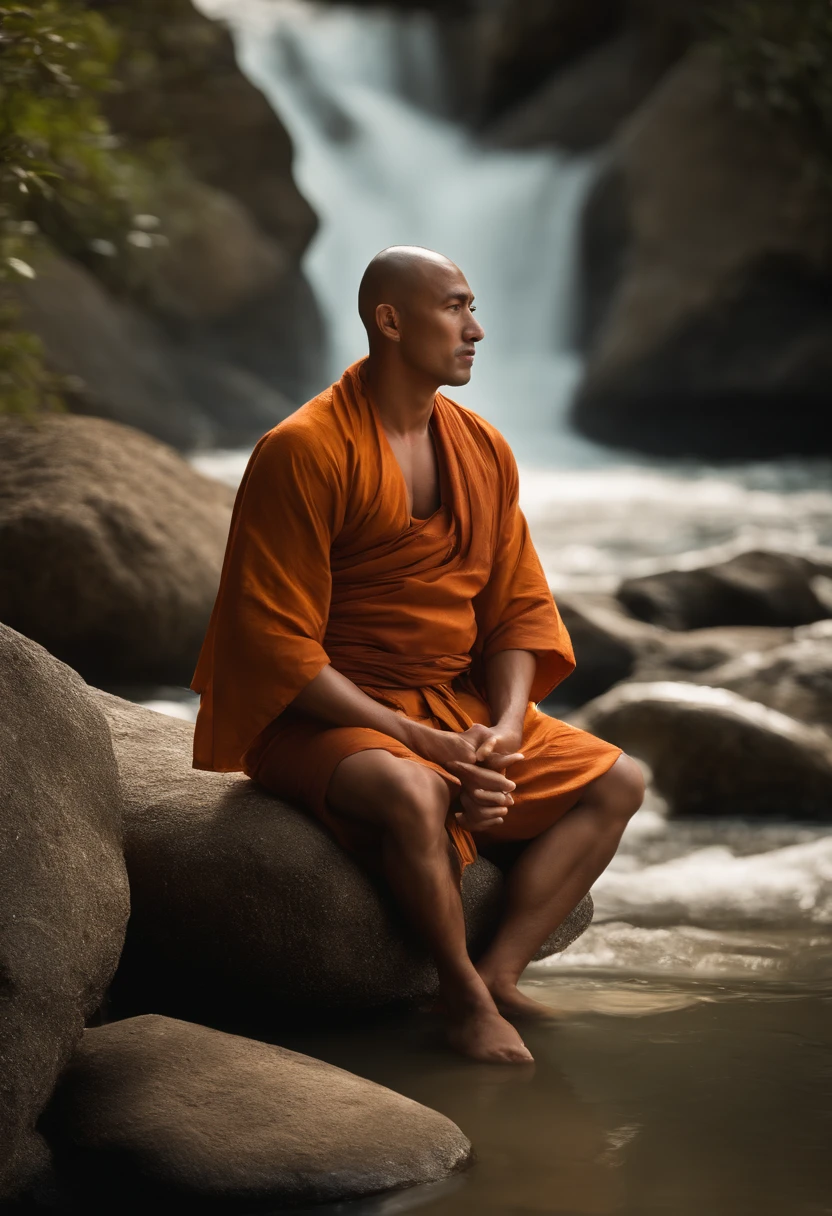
(361, 94)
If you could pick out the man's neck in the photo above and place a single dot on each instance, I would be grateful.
(404, 403)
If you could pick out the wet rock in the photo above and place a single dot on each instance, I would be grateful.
(795, 679)
(153, 1110)
(63, 888)
(243, 906)
(611, 646)
(756, 588)
(111, 547)
(712, 752)
(682, 656)
(607, 644)
(717, 336)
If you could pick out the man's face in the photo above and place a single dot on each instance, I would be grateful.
(438, 326)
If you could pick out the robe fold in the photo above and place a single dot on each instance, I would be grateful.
(325, 565)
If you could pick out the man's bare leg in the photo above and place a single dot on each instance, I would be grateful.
(408, 803)
(552, 875)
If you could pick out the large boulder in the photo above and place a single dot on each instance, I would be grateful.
(153, 1110)
(755, 588)
(63, 887)
(712, 752)
(607, 644)
(795, 679)
(244, 907)
(120, 363)
(717, 335)
(110, 547)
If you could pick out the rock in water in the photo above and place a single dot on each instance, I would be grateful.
(63, 887)
(246, 908)
(795, 679)
(111, 547)
(755, 588)
(156, 1110)
(712, 752)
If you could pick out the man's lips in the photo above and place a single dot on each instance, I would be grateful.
(468, 356)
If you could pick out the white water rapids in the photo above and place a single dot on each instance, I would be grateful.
(381, 164)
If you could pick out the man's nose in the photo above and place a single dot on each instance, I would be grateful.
(474, 332)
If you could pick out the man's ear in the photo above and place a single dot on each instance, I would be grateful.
(387, 320)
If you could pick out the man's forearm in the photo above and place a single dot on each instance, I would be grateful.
(334, 698)
(508, 681)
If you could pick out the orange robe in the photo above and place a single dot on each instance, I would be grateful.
(324, 565)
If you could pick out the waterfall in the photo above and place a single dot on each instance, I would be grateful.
(362, 95)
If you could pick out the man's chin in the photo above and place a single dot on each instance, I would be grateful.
(458, 376)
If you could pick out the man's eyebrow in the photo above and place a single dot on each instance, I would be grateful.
(458, 295)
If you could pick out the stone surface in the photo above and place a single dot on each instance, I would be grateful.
(611, 646)
(755, 588)
(157, 1110)
(691, 655)
(246, 907)
(795, 679)
(110, 546)
(717, 335)
(607, 644)
(123, 366)
(581, 105)
(63, 887)
(712, 752)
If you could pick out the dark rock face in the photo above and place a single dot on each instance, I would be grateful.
(111, 546)
(795, 679)
(156, 1110)
(180, 81)
(611, 646)
(717, 334)
(243, 907)
(756, 588)
(712, 752)
(63, 887)
(607, 644)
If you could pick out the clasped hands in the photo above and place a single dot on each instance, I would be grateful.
(477, 759)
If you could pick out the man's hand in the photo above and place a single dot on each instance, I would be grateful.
(486, 791)
(477, 759)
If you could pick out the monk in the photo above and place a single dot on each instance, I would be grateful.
(381, 638)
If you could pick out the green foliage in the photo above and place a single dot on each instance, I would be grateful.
(778, 60)
(62, 173)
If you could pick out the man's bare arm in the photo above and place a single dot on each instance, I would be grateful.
(508, 681)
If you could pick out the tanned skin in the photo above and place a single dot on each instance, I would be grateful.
(418, 311)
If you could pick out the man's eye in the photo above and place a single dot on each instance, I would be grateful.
(473, 308)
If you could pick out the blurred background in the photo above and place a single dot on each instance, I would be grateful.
(639, 193)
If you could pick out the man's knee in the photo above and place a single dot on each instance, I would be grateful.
(395, 794)
(620, 791)
(414, 803)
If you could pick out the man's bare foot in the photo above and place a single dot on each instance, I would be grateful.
(512, 1003)
(481, 1034)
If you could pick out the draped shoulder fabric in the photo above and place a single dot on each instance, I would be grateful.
(323, 565)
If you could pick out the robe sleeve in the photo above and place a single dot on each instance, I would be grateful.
(264, 640)
(516, 610)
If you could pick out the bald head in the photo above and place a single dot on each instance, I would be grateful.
(396, 276)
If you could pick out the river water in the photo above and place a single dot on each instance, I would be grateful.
(693, 1072)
